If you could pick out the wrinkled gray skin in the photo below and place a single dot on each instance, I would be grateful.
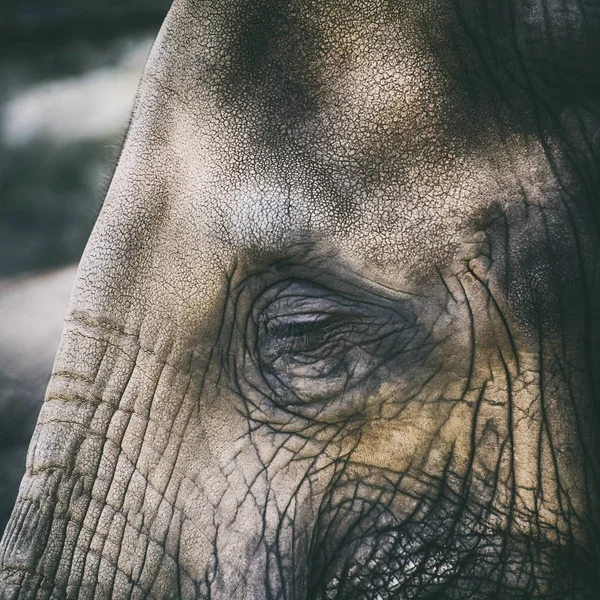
(335, 334)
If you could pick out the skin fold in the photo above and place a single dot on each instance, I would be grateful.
(335, 333)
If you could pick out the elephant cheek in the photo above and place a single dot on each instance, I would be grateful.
(263, 499)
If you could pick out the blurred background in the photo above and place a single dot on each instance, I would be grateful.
(69, 71)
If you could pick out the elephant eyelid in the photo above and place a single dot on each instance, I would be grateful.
(281, 322)
(313, 343)
(286, 326)
(298, 333)
(296, 326)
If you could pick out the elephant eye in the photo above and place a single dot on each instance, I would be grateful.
(317, 345)
(297, 334)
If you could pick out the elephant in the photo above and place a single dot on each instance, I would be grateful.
(335, 334)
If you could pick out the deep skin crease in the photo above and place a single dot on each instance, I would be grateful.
(335, 333)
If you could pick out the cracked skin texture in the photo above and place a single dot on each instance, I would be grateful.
(335, 333)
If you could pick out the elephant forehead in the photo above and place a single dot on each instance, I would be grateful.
(363, 148)
(422, 215)
(210, 198)
(346, 137)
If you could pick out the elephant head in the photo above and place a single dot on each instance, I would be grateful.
(336, 332)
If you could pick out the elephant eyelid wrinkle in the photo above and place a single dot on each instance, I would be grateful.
(298, 336)
(315, 334)
(283, 323)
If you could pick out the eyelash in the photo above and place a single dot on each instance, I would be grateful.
(301, 336)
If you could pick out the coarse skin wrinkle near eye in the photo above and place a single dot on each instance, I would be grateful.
(311, 344)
